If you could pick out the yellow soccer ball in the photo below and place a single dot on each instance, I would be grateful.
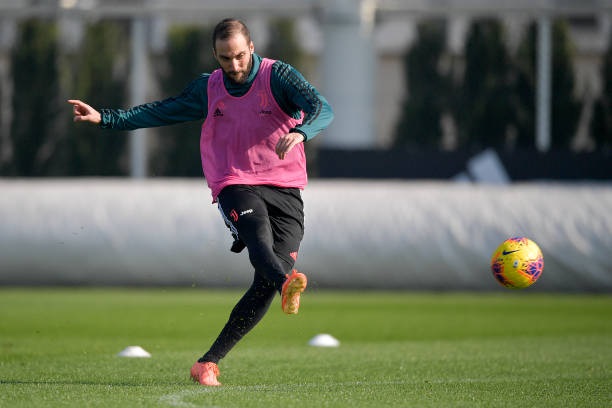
(517, 263)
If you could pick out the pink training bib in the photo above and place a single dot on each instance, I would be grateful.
(240, 134)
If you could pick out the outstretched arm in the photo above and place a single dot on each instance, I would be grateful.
(190, 105)
(83, 112)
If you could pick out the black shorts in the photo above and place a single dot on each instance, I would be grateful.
(265, 217)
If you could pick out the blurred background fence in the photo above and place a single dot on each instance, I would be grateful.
(460, 91)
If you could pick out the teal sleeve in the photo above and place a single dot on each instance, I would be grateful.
(294, 93)
(190, 105)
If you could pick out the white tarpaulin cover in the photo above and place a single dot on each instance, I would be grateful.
(359, 234)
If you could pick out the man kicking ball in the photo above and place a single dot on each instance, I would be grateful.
(257, 113)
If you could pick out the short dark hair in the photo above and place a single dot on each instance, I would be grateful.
(227, 28)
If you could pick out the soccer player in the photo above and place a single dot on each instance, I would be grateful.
(257, 113)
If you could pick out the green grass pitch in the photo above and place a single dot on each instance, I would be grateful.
(58, 348)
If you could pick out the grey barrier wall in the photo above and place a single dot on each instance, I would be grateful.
(359, 234)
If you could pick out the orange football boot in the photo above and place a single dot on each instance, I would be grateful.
(290, 294)
(205, 373)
